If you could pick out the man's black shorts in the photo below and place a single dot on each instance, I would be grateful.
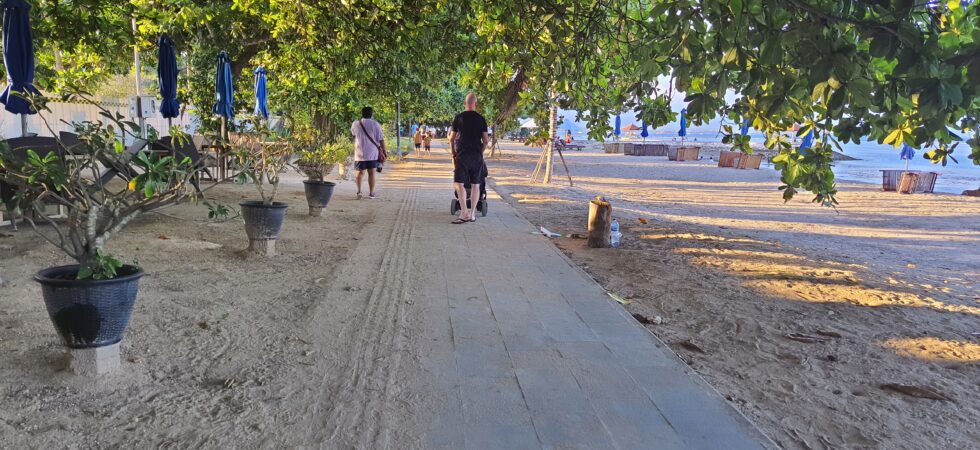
(468, 171)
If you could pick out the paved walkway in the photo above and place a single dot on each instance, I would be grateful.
(529, 352)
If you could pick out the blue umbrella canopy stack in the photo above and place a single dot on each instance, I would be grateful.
(907, 154)
(683, 131)
(18, 58)
(167, 77)
(807, 142)
(619, 122)
(224, 91)
(261, 94)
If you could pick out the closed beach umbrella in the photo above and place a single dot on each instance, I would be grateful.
(645, 134)
(619, 122)
(807, 142)
(224, 92)
(683, 131)
(167, 77)
(261, 94)
(18, 58)
(907, 153)
(745, 127)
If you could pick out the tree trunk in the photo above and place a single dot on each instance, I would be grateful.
(600, 223)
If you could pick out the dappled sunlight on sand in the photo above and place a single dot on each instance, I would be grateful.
(793, 276)
(935, 349)
(700, 237)
(773, 223)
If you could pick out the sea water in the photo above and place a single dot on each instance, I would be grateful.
(871, 159)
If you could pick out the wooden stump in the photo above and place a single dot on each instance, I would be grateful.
(600, 221)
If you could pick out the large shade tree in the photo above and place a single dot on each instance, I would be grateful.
(890, 71)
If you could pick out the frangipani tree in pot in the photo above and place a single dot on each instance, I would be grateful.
(315, 162)
(102, 185)
(260, 163)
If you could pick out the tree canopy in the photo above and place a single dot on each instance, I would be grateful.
(890, 71)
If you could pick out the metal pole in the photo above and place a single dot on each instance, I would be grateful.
(398, 128)
(136, 63)
(23, 124)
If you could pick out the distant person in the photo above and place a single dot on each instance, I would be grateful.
(417, 140)
(369, 143)
(427, 143)
(568, 136)
(468, 140)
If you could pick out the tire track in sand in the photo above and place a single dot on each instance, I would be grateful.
(357, 406)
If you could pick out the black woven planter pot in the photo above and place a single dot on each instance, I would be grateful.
(262, 225)
(89, 313)
(318, 194)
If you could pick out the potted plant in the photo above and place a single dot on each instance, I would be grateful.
(260, 162)
(101, 185)
(317, 163)
(315, 160)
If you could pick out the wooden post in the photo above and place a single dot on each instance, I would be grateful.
(600, 221)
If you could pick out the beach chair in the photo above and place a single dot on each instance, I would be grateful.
(19, 146)
(113, 165)
(185, 149)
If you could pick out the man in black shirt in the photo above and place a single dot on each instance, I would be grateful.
(468, 140)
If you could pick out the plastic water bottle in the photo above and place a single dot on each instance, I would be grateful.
(614, 234)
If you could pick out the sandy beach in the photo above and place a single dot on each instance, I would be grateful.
(800, 315)
(224, 349)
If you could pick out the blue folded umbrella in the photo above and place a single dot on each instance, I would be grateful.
(18, 57)
(167, 77)
(645, 133)
(907, 152)
(619, 122)
(261, 93)
(683, 131)
(745, 127)
(807, 142)
(223, 90)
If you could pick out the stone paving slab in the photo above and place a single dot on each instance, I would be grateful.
(540, 357)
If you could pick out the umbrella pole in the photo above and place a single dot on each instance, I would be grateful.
(224, 128)
(23, 124)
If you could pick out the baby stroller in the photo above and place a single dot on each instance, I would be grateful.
(481, 205)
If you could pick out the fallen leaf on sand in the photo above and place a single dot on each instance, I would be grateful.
(577, 236)
(832, 334)
(915, 391)
(690, 346)
(619, 299)
(163, 237)
(643, 221)
(809, 339)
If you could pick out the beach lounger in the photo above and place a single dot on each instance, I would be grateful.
(43, 146)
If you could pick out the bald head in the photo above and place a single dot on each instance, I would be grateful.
(470, 101)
